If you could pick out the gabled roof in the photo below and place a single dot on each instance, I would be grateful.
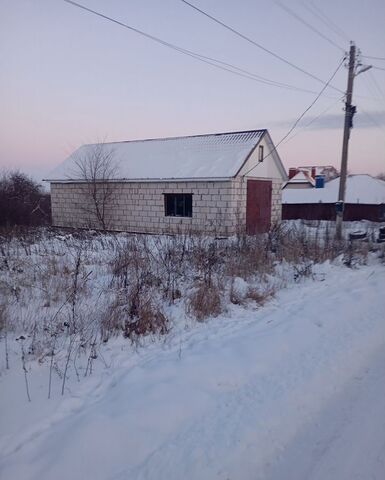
(359, 189)
(302, 176)
(218, 155)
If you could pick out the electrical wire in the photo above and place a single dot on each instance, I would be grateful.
(307, 24)
(371, 119)
(378, 68)
(316, 11)
(314, 119)
(256, 44)
(375, 83)
(373, 58)
(299, 118)
(372, 86)
(228, 67)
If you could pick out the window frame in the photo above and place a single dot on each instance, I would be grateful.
(260, 153)
(178, 205)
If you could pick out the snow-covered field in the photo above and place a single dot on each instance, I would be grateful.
(293, 389)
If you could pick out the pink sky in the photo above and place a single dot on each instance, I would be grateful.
(69, 78)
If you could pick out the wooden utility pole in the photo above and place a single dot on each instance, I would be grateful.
(349, 113)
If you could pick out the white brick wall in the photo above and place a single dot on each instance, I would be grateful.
(218, 207)
(139, 207)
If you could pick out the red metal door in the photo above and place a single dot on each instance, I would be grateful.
(258, 206)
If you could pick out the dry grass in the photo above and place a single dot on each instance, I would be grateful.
(259, 297)
(204, 301)
(150, 319)
(61, 271)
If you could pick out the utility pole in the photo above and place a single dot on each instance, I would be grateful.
(350, 110)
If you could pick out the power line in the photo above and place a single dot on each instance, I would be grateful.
(307, 24)
(314, 119)
(253, 42)
(315, 10)
(378, 68)
(373, 58)
(373, 78)
(228, 67)
(372, 87)
(300, 117)
(371, 119)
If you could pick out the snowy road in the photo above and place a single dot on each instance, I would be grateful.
(295, 390)
(346, 440)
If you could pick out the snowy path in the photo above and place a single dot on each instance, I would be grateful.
(293, 391)
(346, 440)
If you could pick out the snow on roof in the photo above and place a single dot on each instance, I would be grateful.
(359, 189)
(319, 169)
(217, 155)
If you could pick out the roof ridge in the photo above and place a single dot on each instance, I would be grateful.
(260, 130)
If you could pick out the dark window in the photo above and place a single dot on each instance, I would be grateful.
(178, 204)
(260, 153)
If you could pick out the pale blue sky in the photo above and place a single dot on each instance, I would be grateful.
(69, 77)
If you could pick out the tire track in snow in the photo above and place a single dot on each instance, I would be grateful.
(239, 429)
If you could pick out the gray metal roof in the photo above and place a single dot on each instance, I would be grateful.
(218, 155)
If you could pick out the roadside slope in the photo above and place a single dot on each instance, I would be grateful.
(232, 400)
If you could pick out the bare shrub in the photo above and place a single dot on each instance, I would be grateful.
(205, 257)
(248, 257)
(135, 309)
(3, 318)
(112, 320)
(303, 243)
(169, 262)
(134, 315)
(131, 265)
(303, 270)
(4, 332)
(204, 301)
(150, 319)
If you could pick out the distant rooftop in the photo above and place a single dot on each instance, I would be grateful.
(217, 155)
(302, 177)
(359, 189)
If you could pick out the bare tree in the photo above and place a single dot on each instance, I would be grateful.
(95, 166)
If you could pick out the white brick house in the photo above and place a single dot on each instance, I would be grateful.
(217, 183)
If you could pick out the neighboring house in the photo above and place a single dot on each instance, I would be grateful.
(307, 177)
(328, 171)
(217, 183)
(301, 179)
(364, 200)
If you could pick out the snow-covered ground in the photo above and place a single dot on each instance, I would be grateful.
(292, 390)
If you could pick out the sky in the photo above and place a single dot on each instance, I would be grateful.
(70, 77)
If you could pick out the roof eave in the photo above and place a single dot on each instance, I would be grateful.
(144, 180)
